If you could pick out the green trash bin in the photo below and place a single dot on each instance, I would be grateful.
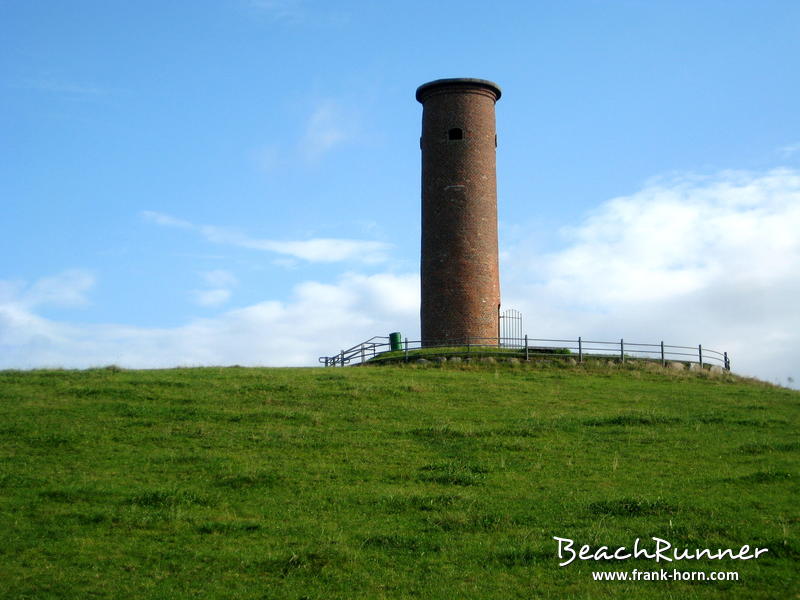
(395, 341)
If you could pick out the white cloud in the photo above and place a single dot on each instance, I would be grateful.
(68, 289)
(325, 250)
(219, 278)
(220, 282)
(21, 327)
(689, 260)
(9, 290)
(166, 220)
(319, 318)
(789, 150)
(211, 298)
(328, 126)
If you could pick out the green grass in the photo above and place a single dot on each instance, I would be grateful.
(464, 352)
(390, 482)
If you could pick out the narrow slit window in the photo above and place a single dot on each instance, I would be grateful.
(456, 133)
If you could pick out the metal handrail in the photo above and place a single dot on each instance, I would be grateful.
(371, 349)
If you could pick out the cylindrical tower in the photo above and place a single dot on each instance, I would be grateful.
(459, 266)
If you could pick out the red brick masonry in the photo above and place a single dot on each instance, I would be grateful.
(459, 266)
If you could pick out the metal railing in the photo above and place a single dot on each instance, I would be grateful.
(359, 353)
(378, 349)
(511, 324)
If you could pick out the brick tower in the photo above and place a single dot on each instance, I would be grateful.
(459, 266)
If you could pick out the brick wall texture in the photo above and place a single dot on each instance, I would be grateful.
(459, 259)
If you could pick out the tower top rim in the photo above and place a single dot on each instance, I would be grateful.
(465, 83)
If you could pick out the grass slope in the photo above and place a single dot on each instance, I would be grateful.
(389, 482)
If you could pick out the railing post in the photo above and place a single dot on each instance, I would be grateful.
(406, 351)
(727, 362)
(326, 361)
(700, 352)
(580, 350)
(362, 353)
(527, 355)
(341, 357)
(622, 350)
(663, 361)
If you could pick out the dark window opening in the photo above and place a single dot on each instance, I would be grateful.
(455, 134)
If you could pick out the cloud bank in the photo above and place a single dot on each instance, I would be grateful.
(351, 310)
(318, 250)
(687, 260)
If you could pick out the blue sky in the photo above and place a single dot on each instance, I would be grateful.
(237, 181)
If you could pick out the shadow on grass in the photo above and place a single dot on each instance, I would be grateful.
(454, 472)
(632, 507)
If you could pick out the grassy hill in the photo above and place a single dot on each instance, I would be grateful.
(390, 482)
